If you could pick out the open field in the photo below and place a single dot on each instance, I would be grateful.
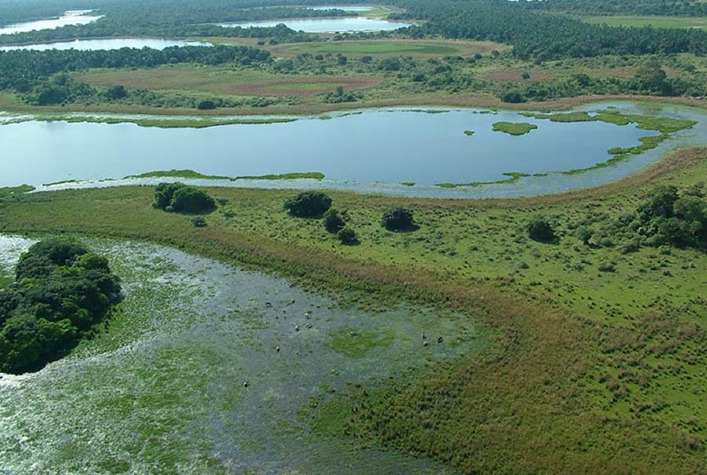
(226, 81)
(654, 21)
(387, 48)
(599, 366)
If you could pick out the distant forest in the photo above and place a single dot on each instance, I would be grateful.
(534, 29)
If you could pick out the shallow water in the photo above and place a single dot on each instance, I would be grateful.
(162, 391)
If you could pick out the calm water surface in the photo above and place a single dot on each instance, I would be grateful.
(326, 25)
(106, 44)
(73, 17)
(369, 151)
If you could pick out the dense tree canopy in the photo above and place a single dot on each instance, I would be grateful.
(62, 290)
(308, 204)
(181, 198)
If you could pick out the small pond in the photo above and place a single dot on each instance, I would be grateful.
(72, 17)
(106, 44)
(162, 390)
(325, 25)
(378, 151)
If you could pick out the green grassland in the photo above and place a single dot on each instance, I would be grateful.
(654, 21)
(599, 363)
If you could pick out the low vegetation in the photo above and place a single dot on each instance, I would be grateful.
(61, 292)
(514, 128)
(597, 350)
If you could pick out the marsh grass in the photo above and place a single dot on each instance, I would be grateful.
(587, 366)
(514, 128)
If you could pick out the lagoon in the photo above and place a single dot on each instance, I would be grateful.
(366, 151)
(71, 17)
(106, 44)
(325, 25)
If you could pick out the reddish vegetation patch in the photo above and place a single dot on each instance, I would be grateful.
(302, 86)
(516, 75)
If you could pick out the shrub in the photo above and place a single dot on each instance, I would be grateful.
(308, 204)
(206, 105)
(398, 219)
(333, 221)
(179, 197)
(198, 221)
(540, 230)
(347, 236)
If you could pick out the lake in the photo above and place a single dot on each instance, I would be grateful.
(325, 25)
(72, 17)
(370, 151)
(106, 44)
(162, 389)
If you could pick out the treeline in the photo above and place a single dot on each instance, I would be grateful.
(61, 291)
(541, 35)
(692, 8)
(22, 71)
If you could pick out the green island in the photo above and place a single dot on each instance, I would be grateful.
(514, 128)
(554, 334)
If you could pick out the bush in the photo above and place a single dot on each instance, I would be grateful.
(198, 221)
(181, 198)
(398, 219)
(347, 236)
(206, 105)
(308, 204)
(333, 221)
(540, 230)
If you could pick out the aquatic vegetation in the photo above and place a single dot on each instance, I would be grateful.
(514, 128)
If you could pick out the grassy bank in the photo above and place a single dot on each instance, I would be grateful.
(594, 370)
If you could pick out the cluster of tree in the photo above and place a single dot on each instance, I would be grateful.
(41, 75)
(316, 204)
(693, 8)
(541, 35)
(669, 216)
(180, 198)
(61, 291)
(398, 220)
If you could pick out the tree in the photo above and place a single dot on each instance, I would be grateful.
(181, 198)
(62, 290)
(308, 204)
(333, 221)
(398, 219)
(347, 236)
(540, 230)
